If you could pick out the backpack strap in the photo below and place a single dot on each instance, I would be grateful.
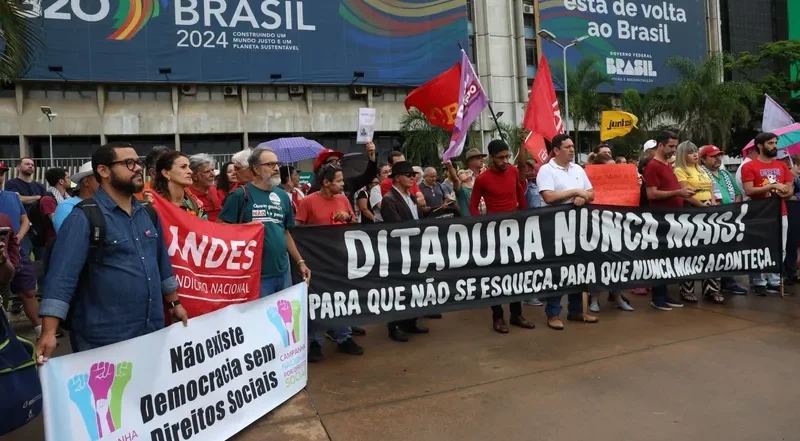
(151, 211)
(240, 213)
(97, 227)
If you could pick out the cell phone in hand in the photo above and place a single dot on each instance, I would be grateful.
(4, 232)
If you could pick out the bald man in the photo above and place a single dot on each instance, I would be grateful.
(439, 201)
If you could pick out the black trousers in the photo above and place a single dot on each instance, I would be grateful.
(402, 324)
(515, 307)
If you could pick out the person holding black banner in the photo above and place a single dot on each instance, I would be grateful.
(328, 206)
(729, 193)
(439, 203)
(664, 191)
(561, 181)
(502, 188)
(765, 177)
(399, 205)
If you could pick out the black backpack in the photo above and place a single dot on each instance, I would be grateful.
(38, 222)
(97, 237)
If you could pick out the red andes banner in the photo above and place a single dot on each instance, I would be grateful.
(216, 264)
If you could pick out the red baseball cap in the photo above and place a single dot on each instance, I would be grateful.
(710, 150)
(3, 166)
(324, 156)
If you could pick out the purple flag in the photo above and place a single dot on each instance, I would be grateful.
(471, 102)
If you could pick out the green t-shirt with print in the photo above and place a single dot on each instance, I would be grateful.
(274, 209)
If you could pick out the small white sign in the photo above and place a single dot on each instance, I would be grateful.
(366, 125)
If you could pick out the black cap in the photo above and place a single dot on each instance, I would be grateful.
(497, 146)
(401, 168)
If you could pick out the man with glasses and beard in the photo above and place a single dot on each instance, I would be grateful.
(117, 292)
(765, 177)
(263, 201)
(502, 188)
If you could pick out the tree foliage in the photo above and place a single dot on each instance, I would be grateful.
(424, 143)
(705, 107)
(19, 40)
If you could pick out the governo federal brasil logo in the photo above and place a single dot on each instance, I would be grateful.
(131, 16)
(98, 396)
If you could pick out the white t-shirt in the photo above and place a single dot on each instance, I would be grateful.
(375, 198)
(739, 178)
(553, 177)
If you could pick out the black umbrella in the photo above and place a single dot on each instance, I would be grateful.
(354, 164)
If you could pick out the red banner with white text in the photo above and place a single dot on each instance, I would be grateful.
(216, 264)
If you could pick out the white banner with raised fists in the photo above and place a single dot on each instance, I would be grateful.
(206, 381)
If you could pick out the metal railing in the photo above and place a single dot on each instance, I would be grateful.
(73, 164)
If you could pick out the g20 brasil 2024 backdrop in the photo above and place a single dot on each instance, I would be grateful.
(404, 42)
(249, 41)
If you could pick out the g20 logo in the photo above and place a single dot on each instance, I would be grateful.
(130, 18)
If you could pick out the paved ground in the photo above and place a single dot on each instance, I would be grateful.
(706, 372)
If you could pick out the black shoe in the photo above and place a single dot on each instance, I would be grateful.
(315, 353)
(773, 289)
(760, 291)
(416, 328)
(434, 316)
(350, 347)
(397, 334)
(358, 330)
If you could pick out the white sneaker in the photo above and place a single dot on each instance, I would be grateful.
(533, 302)
(594, 307)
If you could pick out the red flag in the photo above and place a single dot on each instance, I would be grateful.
(534, 143)
(438, 98)
(542, 116)
(216, 265)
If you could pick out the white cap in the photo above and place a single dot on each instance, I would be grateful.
(84, 171)
(649, 145)
(418, 169)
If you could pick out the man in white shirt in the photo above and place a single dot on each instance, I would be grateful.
(561, 181)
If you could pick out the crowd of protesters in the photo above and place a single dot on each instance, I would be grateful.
(52, 248)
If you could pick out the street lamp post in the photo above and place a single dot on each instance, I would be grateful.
(547, 35)
(48, 112)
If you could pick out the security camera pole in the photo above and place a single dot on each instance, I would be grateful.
(48, 112)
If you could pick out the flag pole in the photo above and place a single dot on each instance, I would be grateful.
(489, 104)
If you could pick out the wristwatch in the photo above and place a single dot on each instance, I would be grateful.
(172, 305)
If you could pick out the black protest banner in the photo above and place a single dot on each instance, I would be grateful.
(385, 272)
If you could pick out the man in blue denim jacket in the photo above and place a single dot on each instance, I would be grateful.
(123, 296)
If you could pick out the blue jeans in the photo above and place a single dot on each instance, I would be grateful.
(659, 294)
(574, 305)
(271, 285)
(340, 335)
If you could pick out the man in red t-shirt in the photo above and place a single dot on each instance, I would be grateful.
(765, 177)
(663, 190)
(328, 206)
(502, 188)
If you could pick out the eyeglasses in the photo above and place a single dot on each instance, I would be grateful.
(129, 163)
(333, 161)
(408, 175)
(271, 164)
